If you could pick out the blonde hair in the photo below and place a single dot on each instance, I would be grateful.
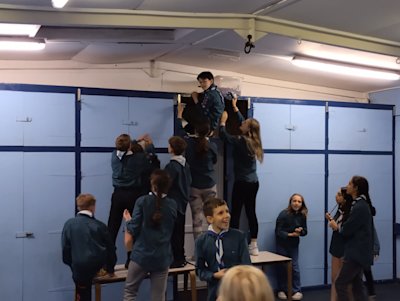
(245, 283)
(253, 140)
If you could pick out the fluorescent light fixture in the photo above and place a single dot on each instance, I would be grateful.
(59, 3)
(15, 45)
(28, 30)
(344, 69)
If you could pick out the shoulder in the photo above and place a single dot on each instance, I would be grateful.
(236, 233)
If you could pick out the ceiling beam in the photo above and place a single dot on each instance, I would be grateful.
(244, 24)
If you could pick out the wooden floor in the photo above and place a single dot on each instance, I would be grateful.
(384, 292)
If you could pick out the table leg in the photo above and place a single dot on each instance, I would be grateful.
(289, 279)
(97, 292)
(193, 285)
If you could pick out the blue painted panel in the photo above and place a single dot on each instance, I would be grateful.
(360, 129)
(280, 176)
(274, 121)
(97, 180)
(378, 171)
(308, 127)
(52, 119)
(397, 165)
(11, 212)
(103, 118)
(49, 193)
(11, 115)
(152, 116)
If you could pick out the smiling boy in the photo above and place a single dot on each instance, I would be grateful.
(220, 248)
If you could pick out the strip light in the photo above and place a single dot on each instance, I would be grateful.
(59, 3)
(344, 69)
(22, 45)
(29, 30)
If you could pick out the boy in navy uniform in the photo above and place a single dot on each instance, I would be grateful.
(87, 247)
(220, 248)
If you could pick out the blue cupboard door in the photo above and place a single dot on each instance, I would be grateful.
(154, 116)
(360, 129)
(275, 124)
(280, 176)
(97, 180)
(103, 118)
(11, 225)
(50, 119)
(308, 127)
(378, 170)
(49, 201)
(12, 118)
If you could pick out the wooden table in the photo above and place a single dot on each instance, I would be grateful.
(121, 273)
(263, 259)
(267, 258)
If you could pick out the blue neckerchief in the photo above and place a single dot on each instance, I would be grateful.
(219, 253)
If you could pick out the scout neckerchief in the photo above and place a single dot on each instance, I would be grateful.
(218, 244)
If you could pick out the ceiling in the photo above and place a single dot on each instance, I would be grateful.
(212, 34)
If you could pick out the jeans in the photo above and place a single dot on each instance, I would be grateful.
(292, 252)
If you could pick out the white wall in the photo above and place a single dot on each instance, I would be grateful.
(163, 77)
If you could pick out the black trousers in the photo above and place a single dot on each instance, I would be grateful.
(350, 273)
(121, 199)
(83, 290)
(178, 239)
(244, 193)
(369, 282)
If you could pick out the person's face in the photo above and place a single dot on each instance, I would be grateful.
(351, 189)
(205, 83)
(296, 202)
(245, 126)
(220, 219)
(339, 198)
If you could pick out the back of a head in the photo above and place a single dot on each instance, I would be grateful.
(178, 145)
(84, 201)
(245, 283)
(123, 142)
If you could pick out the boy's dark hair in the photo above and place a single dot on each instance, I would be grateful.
(123, 142)
(205, 75)
(161, 181)
(177, 144)
(210, 204)
(85, 200)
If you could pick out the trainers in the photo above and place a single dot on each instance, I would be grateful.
(253, 250)
(297, 296)
(282, 295)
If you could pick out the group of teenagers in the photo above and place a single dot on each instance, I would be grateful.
(153, 204)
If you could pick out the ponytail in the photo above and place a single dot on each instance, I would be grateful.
(253, 140)
(160, 183)
(202, 130)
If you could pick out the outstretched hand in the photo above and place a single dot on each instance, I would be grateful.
(180, 110)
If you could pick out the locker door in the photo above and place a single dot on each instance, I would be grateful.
(103, 118)
(12, 118)
(360, 129)
(49, 194)
(280, 176)
(51, 119)
(275, 124)
(378, 171)
(308, 127)
(153, 116)
(11, 223)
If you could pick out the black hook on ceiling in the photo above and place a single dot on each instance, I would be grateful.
(249, 44)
